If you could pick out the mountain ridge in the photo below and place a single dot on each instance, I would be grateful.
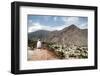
(69, 35)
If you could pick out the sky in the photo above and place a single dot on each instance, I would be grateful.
(51, 23)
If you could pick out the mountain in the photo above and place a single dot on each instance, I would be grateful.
(68, 36)
(40, 34)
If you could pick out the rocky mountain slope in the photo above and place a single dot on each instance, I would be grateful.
(68, 36)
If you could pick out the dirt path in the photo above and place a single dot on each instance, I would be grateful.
(41, 54)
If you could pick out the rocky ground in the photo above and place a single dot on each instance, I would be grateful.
(55, 51)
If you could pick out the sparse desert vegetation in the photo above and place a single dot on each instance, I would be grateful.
(63, 51)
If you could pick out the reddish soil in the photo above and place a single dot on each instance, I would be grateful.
(42, 54)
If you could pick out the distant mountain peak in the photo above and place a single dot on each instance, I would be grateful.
(72, 26)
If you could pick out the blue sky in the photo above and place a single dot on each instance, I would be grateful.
(51, 23)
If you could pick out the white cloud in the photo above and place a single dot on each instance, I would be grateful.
(34, 26)
(74, 20)
(83, 26)
(55, 18)
(30, 21)
(71, 20)
(38, 26)
(64, 19)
